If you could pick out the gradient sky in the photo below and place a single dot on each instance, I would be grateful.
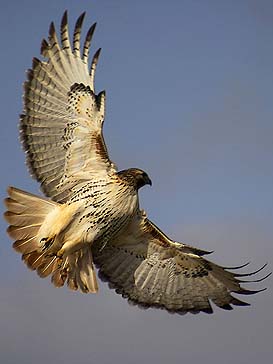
(190, 100)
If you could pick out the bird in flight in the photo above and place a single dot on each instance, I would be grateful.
(91, 215)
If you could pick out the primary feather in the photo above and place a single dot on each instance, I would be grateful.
(61, 127)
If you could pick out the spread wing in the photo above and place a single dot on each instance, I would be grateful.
(61, 128)
(150, 270)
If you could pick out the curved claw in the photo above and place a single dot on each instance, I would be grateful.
(47, 242)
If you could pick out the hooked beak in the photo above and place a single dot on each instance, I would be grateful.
(148, 181)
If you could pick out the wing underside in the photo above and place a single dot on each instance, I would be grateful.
(150, 270)
(61, 127)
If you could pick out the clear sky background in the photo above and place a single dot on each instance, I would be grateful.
(190, 100)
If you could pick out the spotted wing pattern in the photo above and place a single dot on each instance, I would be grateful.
(61, 128)
(150, 270)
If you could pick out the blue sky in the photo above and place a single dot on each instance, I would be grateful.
(189, 99)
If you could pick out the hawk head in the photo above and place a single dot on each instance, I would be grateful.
(135, 177)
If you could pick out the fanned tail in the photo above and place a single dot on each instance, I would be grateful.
(26, 214)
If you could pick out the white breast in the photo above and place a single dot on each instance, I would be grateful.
(107, 209)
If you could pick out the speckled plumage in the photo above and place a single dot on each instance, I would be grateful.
(91, 212)
(107, 206)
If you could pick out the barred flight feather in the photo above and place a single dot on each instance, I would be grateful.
(162, 274)
(58, 93)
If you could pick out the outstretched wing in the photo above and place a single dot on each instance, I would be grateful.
(150, 270)
(61, 128)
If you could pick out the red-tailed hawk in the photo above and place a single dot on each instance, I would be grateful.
(92, 211)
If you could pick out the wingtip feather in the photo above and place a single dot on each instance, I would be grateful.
(52, 30)
(64, 20)
(80, 20)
